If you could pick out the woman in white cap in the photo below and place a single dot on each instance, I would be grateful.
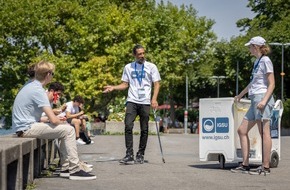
(260, 91)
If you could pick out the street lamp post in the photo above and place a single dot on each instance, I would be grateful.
(282, 65)
(218, 78)
(186, 99)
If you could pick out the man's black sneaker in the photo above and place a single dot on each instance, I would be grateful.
(82, 175)
(241, 169)
(128, 159)
(139, 158)
(260, 171)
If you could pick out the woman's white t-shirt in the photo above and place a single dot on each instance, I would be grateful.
(259, 81)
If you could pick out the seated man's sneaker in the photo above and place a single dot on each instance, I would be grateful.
(85, 167)
(82, 175)
(80, 141)
(128, 159)
(87, 164)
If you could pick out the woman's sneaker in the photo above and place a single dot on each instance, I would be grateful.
(82, 175)
(128, 159)
(260, 170)
(241, 169)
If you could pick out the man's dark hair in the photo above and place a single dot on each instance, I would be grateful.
(79, 99)
(56, 86)
(137, 46)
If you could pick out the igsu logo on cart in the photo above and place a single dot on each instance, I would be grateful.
(218, 125)
(208, 125)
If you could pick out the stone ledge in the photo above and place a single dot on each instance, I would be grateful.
(21, 160)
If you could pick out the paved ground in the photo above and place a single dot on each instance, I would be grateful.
(182, 169)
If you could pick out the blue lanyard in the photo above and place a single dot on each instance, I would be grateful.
(255, 67)
(139, 78)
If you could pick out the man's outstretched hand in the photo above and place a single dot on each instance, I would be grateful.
(108, 89)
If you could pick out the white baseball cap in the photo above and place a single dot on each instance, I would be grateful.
(258, 40)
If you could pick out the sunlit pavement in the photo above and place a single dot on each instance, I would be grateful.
(181, 170)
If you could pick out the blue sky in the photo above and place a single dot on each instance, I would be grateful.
(224, 12)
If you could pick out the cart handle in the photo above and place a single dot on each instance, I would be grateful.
(278, 104)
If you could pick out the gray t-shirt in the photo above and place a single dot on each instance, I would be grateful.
(140, 78)
(28, 106)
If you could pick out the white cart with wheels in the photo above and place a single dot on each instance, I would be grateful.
(219, 120)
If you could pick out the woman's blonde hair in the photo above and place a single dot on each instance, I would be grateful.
(42, 68)
(264, 49)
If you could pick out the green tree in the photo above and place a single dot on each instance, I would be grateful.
(90, 42)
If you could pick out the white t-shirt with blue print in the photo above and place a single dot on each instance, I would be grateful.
(140, 78)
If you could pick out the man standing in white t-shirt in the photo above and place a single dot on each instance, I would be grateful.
(138, 76)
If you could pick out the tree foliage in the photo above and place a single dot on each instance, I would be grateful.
(90, 42)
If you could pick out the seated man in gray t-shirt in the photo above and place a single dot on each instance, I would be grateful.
(28, 106)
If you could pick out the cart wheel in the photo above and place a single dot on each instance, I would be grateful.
(222, 161)
(274, 159)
